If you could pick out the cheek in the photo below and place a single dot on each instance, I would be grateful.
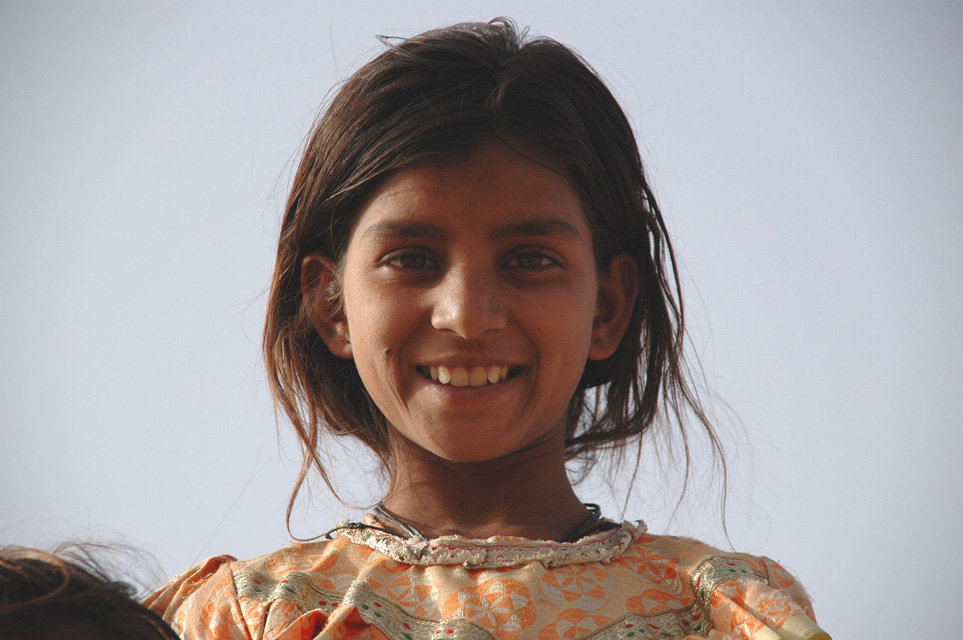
(379, 326)
(565, 329)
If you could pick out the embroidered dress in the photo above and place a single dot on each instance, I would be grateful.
(618, 584)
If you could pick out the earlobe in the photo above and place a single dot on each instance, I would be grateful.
(321, 290)
(616, 300)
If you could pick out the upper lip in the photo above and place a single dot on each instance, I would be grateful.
(468, 363)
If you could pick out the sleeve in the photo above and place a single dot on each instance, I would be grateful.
(202, 603)
(756, 599)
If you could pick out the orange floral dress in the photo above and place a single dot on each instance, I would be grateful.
(618, 584)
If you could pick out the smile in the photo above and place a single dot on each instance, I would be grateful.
(469, 377)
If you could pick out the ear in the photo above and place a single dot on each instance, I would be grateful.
(616, 300)
(321, 291)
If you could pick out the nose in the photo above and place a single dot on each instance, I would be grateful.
(467, 301)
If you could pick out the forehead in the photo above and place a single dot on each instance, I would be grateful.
(495, 190)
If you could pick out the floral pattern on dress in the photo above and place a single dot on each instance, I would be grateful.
(655, 588)
(585, 586)
(571, 624)
(504, 607)
(418, 598)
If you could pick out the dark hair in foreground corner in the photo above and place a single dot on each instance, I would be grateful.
(67, 594)
(440, 95)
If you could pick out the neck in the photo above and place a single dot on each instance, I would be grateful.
(525, 494)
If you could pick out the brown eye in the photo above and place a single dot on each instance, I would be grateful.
(412, 260)
(531, 260)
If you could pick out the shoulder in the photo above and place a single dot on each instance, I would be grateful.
(201, 591)
(226, 598)
(742, 593)
(710, 565)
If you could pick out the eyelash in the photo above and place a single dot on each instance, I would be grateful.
(397, 260)
(546, 260)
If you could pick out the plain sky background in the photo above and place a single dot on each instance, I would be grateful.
(808, 157)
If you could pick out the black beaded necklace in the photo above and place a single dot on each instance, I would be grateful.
(594, 522)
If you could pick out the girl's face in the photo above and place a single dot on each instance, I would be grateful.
(471, 302)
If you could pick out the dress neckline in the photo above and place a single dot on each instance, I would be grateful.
(495, 552)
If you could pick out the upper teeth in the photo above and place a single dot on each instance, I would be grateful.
(462, 377)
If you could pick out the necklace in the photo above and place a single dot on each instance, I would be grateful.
(594, 522)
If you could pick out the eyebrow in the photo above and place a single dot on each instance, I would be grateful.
(536, 227)
(389, 229)
(540, 227)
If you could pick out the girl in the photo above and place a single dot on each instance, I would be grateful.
(474, 279)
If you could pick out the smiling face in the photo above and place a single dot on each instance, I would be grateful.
(471, 302)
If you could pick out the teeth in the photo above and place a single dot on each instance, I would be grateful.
(462, 377)
(459, 377)
(478, 377)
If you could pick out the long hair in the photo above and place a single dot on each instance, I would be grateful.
(439, 95)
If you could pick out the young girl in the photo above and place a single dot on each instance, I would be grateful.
(474, 279)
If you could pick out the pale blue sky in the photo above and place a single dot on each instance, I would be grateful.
(808, 157)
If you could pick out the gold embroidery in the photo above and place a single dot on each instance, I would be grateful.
(712, 572)
(690, 621)
(297, 587)
(397, 624)
(293, 586)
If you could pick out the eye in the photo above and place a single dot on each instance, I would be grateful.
(532, 260)
(413, 260)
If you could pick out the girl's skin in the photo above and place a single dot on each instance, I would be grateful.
(481, 270)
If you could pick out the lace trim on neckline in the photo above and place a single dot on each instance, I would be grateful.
(498, 551)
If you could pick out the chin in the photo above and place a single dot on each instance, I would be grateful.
(468, 453)
(467, 457)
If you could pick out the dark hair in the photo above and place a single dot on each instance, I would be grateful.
(442, 94)
(68, 594)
